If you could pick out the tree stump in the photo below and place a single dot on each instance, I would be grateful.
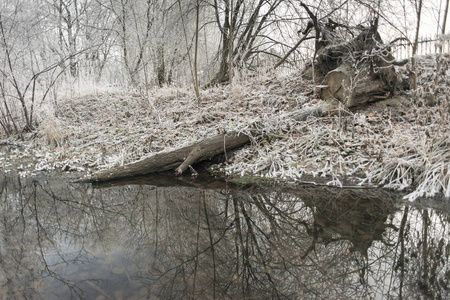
(355, 72)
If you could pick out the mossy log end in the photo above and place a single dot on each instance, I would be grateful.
(178, 160)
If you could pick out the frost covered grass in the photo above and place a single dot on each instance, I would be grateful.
(399, 143)
(419, 155)
(371, 148)
(102, 130)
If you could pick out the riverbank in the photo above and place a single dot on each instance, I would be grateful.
(397, 143)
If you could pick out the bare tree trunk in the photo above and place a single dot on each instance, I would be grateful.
(197, 21)
(14, 82)
(134, 63)
(222, 74)
(415, 46)
(240, 31)
(439, 58)
(230, 44)
(193, 69)
(160, 66)
(69, 26)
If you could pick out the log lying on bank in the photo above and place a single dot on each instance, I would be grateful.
(178, 160)
(323, 108)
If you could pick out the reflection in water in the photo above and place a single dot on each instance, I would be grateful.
(63, 241)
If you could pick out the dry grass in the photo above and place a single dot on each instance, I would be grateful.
(50, 127)
(419, 155)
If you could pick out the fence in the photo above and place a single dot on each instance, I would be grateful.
(426, 46)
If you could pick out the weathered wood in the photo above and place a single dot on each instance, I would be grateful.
(342, 84)
(211, 147)
(178, 159)
(337, 84)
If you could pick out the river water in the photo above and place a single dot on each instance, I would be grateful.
(164, 238)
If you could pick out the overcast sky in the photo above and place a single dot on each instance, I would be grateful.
(430, 17)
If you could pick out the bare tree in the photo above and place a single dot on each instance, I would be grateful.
(192, 64)
(242, 25)
(134, 22)
(38, 44)
(197, 32)
(418, 7)
(25, 74)
(97, 32)
(69, 14)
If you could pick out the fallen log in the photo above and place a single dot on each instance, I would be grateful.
(342, 84)
(180, 159)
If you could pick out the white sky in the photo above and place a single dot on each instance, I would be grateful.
(402, 19)
(430, 17)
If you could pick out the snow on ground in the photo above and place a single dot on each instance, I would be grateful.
(109, 129)
(397, 144)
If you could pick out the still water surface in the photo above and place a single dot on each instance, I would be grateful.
(166, 239)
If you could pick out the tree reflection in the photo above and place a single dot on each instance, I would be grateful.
(142, 241)
(424, 254)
